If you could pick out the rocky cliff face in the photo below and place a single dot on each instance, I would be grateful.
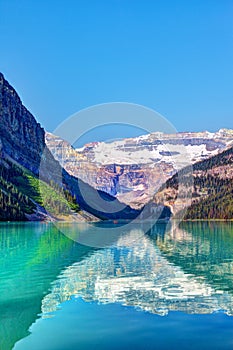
(22, 138)
(22, 146)
(134, 169)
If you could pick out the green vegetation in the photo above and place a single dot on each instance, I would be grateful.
(14, 202)
(224, 158)
(21, 191)
(55, 199)
(212, 191)
(216, 201)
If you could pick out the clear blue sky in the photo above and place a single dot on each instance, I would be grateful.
(173, 56)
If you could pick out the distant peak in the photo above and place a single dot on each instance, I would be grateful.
(225, 132)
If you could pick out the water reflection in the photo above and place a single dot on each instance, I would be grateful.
(203, 249)
(32, 255)
(188, 269)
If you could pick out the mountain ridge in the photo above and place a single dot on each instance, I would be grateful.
(25, 156)
(134, 169)
(113, 180)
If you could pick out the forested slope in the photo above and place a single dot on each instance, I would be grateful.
(212, 188)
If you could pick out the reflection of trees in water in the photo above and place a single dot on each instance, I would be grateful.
(142, 271)
(31, 256)
(203, 249)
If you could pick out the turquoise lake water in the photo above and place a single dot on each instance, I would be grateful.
(166, 289)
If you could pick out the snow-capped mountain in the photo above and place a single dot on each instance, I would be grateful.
(134, 168)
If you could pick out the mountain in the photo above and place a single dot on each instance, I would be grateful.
(134, 169)
(21, 137)
(212, 189)
(21, 146)
(24, 196)
(41, 180)
(33, 185)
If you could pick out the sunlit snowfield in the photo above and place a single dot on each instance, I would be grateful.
(161, 290)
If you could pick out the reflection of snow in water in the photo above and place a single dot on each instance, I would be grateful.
(134, 272)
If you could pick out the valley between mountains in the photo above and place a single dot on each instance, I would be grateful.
(43, 177)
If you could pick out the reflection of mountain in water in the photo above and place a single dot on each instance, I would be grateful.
(135, 272)
(202, 248)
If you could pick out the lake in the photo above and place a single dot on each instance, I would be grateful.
(166, 288)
